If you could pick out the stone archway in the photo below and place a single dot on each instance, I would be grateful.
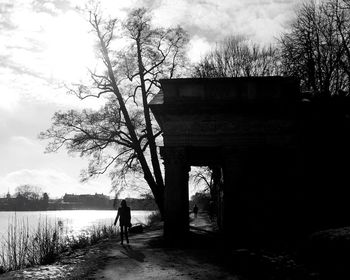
(236, 123)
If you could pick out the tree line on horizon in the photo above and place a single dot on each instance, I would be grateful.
(122, 136)
(31, 198)
(26, 197)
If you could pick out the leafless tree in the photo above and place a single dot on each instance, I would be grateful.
(316, 49)
(237, 57)
(202, 176)
(341, 10)
(209, 177)
(123, 135)
(30, 192)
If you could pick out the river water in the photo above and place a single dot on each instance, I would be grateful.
(74, 222)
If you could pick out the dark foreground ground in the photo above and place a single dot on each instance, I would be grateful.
(148, 257)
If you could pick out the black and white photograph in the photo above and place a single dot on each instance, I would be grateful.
(183, 139)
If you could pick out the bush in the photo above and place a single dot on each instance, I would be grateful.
(24, 248)
(154, 219)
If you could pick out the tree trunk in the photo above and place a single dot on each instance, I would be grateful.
(150, 136)
(156, 189)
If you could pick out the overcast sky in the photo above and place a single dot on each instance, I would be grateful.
(46, 43)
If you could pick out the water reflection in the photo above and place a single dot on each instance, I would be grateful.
(70, 222)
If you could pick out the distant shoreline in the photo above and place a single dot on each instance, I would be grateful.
(92, 209)
(73, 202)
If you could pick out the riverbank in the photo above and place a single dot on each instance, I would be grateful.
(71, 265)
(204, 256)
(140, 260)
(39, 238)
(145, 258)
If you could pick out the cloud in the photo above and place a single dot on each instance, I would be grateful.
(23, 141)
(46, 42)
(20, 151)
(17, 68)
(54, 182)
(6, 8)
(198, 47)
(20, 147)
(23, 162)
(47, 46)
(21, 90)
(213, 20)
(53, 7)
(50, 47)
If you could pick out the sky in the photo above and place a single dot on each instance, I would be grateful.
(46, 44)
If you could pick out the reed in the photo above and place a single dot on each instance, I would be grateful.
(15, 248)
(24, 247)
(154, 219)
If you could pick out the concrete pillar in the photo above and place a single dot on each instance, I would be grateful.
(231, 204)
(176, 220)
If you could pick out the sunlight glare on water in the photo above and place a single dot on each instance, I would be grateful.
(74, 222)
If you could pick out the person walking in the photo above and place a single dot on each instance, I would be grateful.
(124, 216)
(195, 211)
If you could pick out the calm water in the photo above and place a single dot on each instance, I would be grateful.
(74, 221)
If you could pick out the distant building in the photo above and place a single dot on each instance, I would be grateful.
(93, 201)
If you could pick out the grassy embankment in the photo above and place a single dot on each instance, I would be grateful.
(25, 247)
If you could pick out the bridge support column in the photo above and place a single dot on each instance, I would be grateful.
(176, 220)
(232, 211)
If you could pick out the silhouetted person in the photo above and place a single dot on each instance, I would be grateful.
(195, 210)
(211, 210)
(124, 221)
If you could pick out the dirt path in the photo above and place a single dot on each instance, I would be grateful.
(141, 261)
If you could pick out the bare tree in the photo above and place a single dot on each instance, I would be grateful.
(316, 48)
(341, 10)
(30, 192)
(236, 57)
(122, 134)
(209, 177)
(202, 176)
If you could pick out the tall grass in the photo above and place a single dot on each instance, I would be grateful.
(154, 219)
(25, 247)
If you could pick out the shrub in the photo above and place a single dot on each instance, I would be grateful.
(24, 248)
(154, 219)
